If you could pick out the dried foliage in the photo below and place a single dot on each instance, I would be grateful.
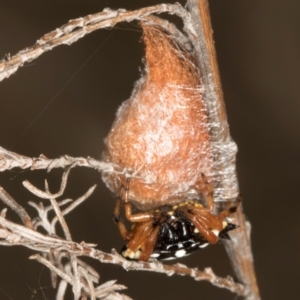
(61, 255)
(52, 249)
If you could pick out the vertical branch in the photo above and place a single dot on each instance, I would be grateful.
(224, 149)
(240, 254)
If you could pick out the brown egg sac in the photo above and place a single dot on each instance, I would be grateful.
(161, 133)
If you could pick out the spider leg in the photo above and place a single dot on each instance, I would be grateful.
(118, 220)
(202, 227)
(144, 238)
(149, 245)
(140, 235)
(225, 213)
(141, 217)
(209, 193)
(211, 221)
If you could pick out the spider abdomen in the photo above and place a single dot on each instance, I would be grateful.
(177, 239)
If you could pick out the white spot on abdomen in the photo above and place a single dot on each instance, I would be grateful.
(180, 253)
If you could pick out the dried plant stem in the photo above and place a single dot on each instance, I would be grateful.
(14, 234)
(239, 250)
(10, 160)
(51, 267)
(59, 215)
(78, 28)
(47, 194)
(10, 202)
(179, 269)
(19, 235)
(241, 258)
(55, 249)
(61, 219)
(224, 149)
(74, 204)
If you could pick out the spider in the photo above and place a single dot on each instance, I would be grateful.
(171, 231)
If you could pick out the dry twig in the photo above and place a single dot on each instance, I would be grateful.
(18, 235)
(10, 202)
(78, 28)
(10, 160)
(55, 248)
(224, 149)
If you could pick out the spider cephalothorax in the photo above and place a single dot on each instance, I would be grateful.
(172, 231)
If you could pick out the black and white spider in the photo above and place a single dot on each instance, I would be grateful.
(172, 231)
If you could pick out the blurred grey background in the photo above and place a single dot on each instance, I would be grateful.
(69, 97)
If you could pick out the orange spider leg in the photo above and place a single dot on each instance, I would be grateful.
(134, 229)
(118, 220)
(209, 193)
(211, 221)
(149, 245)
(210, 202)
(141, 234)
(141, 217)
(204, 230)
(225, 213)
